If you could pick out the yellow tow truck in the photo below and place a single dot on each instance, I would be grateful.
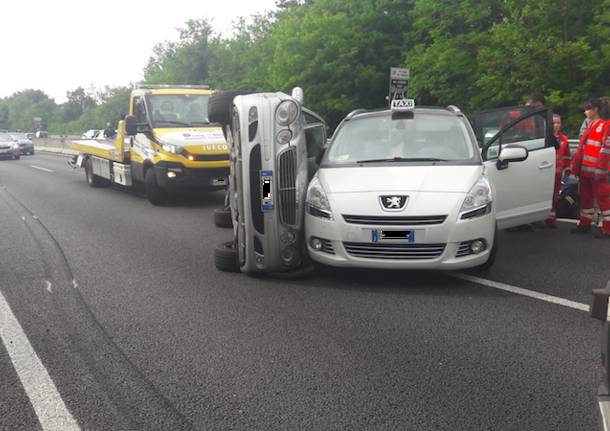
(166, 143)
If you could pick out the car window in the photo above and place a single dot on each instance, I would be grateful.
(139, 110)
(529, 132)
(426, 136)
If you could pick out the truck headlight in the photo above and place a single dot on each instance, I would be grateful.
(317, 201)
(171, 148)
(477, 201)
(286, 113)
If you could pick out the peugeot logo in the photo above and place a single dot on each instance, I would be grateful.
(393, 202)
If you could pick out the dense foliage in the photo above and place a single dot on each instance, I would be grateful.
(472, 53)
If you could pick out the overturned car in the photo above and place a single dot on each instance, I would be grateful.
(275, 144)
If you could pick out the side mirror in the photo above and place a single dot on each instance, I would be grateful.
(511, 153)
(131, 126)
(599, 309)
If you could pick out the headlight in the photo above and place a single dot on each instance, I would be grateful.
(284, 136)
(286, 113)
(477, 201)
(15, 146)
(317, 202)
(171, 148)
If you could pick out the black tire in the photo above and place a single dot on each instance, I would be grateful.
(226, 258)
(492, 256)
(156, 195)
(222, 218)
(219, 106)
(17, 157)
(32, 153)
(92, 179)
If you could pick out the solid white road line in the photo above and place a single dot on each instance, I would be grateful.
(568, 220)
(40, 389)
(41, 169)
(523, 292)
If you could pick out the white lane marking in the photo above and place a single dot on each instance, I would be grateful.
(568, 220)
(45, 399)
(41, 169)
(49, 286)
(524, 292)
(75, 284)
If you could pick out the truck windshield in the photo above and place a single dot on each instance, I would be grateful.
(178, 110)
(424, 138)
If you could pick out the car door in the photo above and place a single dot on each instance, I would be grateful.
(523, 189)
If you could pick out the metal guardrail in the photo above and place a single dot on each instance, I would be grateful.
(54, 144)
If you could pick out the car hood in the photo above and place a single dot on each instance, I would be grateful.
(195, 139)
(440, 178)
(24, 141)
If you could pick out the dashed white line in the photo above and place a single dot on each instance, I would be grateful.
(521, 291)
(45, 399)
(49, 286)
(41, 169)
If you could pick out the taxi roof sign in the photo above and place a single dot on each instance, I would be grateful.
(402, 105)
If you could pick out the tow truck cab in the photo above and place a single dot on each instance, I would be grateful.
(166, 143)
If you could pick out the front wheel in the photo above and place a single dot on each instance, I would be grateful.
(17, 157)
(156, 195)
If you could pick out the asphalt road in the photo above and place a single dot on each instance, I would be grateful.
(122, 304)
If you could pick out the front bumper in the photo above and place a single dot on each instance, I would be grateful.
(447, 237)
(172, 175)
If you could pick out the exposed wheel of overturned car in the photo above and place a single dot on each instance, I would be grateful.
(219, 106)
(226, 257)
(222, 217)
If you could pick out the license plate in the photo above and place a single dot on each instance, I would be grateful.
(219, 181)
(400, 235)
(267, 190)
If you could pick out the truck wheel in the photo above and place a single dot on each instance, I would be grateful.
(219, 106)
(226, 258)
(156, 195)
(222, 218)
(92, 179)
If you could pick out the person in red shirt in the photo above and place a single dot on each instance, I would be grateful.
(562, 164)
(590, 164)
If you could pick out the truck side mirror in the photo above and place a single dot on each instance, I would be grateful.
(131, 126)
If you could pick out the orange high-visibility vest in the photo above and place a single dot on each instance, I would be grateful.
(593, 145)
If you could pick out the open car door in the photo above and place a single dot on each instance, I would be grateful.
(524, 188)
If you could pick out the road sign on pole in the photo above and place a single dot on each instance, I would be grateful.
(399, 84)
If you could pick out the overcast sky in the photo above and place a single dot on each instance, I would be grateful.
(58, 45)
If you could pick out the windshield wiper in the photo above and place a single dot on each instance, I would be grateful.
(403, 159)
(199, 123)
(179, 123)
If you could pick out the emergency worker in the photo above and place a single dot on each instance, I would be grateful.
(590, 164)
(562, 164)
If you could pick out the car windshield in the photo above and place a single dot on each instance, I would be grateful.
(178, 110)
(379, 138)
(19, 135)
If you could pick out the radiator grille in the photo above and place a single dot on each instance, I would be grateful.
(394, 220)
(394, 251)
(287, 199)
